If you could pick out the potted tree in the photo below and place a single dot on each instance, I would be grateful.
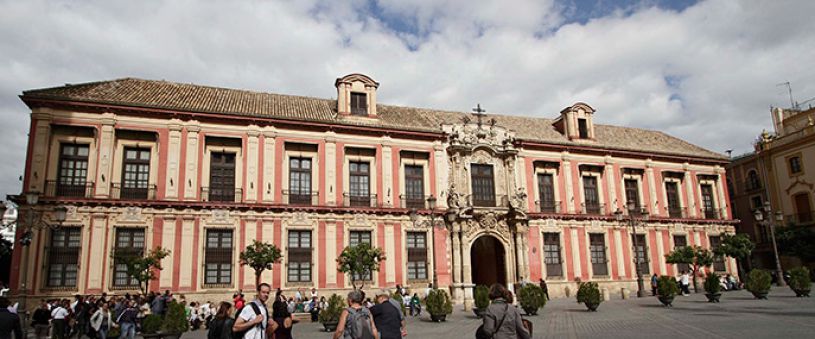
(330, 316)
(438, 305)
(531, 298)
(758, 283)
(736, 246)
(151, 325)
(482, 300)
(260, 256)
(588, 293)
(666, 290)
(712, 287)
(694, 256)
(142, 268)
(359, 262)
(800, 282)
(175, 321)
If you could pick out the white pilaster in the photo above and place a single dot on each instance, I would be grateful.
(173, 160)
(269, 164)
(576, 253)
(102, 189)
(192, 166)
(618, 248)
(252, 160)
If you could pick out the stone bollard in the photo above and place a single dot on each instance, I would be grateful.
(625, 293)
(567, 291)
(606, 294)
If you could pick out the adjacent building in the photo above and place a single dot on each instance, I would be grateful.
(204, 171)
(781, 171)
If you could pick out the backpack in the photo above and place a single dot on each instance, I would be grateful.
(240, 334)
(358, 323)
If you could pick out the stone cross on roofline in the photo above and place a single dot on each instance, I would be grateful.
(479, 113)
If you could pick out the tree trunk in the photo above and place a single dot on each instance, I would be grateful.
(695, 271)
(257, 278)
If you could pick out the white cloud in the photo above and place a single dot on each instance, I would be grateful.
(706, 74)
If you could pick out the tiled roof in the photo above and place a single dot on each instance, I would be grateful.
(196, 98)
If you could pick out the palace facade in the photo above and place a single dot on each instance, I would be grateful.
(204, 171)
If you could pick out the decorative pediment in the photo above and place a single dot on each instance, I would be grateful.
(356, 77)
(799, 181)
(475, 135)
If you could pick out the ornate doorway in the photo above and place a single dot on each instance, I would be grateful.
(488, 261)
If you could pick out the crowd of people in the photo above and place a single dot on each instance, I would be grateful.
(727, 282)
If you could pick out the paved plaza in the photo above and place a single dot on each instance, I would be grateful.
(737, 316)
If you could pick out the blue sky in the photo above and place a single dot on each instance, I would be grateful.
(703, 71)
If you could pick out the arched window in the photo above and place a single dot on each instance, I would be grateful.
(752, 180)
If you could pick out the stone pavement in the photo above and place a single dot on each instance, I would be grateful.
(737, 316)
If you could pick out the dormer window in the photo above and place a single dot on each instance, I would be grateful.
(359, 104)
(583, 128)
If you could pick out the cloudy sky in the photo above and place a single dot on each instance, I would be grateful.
(705, 71)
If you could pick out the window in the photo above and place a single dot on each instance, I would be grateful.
(356, 238)
(299, 256)
(672, 193)
(718, 261)
(414, 186)
(591, 195)
(597, 246)
(632, 194)
(359, 104)
(681, 241)
(546, 190)
(640, 252)
(795, 165)
(129, 244)
(300, 181)
(222, 177)
(551, 254)
(218, 257)
(752, 181)
(483, 185)
(583, 128)
(707, 202)
(360, 181)
(73, 171)
(756, 202)
(63, 257)
(135, 173)
(417, 255)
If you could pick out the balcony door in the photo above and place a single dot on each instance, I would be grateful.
(222, 177)
(483, 182)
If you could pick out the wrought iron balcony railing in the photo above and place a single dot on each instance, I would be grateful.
(359, 200)
(132, 193)
(547, 206)
(413, 201)
(592, 208)
(222, 194)
(301, 198)
(54, 188)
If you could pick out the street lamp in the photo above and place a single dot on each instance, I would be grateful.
(33, 221)
(632, 210)
(779, 217)
(414, 217)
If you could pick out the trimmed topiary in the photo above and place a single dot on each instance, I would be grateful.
(758, 283)
(531, 298)
(438, 305)
(713, 287)
(588, 293)
(482, 300)
(175, 321)
(800, 281)
(151, 324)
(667, 290)
(330, 316)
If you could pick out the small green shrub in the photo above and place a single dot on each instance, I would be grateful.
(589, 293)
(799, 279)
(332, 313)
(175, 321)
(482, 297)
(398, 298)
(151, 324)
(531, 298)
(712, 285)
(666, 286)
(438, 302)
(759, 281)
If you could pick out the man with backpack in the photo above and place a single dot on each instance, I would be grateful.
(252, 320)
(356, 321)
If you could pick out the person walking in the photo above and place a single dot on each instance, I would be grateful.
(545, 288)
(40, 320)
(221, 325)
(59, 316)
(356, 321)
(254, 317)
(501, 320)
(9, 322)
(684, 281)
(654, 280)
(388, 317)
(101, 321)
(127, 320)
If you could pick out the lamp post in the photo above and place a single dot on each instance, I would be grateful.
(779, 217)
(33, 221)
(414, 217)
(632, 210)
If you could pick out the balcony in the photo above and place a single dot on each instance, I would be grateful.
(592, 208)
(711, 213)
(418, 202)
(61, 190)
(132, 193)
(222, 195)
(359, 200)
(300, 198)
(677, 212)
(547, 206)
(489, 201)
(806, 218)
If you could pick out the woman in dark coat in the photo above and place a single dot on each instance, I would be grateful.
(281, 316)
(221, 325)
(501, 319)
